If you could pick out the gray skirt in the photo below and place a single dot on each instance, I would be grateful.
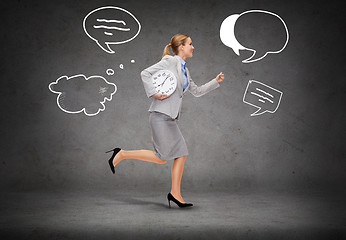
(167, 139)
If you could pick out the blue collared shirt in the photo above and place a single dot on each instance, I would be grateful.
(183, 70)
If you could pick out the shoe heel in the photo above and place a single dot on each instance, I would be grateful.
(169, 204)
(118, 149)
(110, 151)
(110, 161)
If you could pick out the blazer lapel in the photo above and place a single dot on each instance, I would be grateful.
(179, 76)
(188, 78)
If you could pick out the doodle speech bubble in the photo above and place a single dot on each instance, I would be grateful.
(259, 31)
(265, 98)
(111, 25)
(81, 94)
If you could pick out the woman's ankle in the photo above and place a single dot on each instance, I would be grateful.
(122, 154)
(176, 194)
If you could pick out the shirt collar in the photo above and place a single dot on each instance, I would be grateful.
(183, 63)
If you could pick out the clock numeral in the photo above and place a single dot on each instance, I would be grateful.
(159, 75)
(155, 78)
(163, 74)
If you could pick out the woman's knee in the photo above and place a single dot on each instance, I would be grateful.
(180, 158)
(160, 161)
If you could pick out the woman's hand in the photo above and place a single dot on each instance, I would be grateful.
(160, 96)
(220, 77)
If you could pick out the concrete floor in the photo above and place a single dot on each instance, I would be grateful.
(145, 215)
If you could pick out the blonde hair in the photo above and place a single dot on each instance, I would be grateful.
(176, 41)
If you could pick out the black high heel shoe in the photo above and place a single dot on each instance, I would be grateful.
(181, 205)
(110, 161)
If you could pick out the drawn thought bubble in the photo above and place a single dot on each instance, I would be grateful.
(265, 98)
(259, 31)
(111, 25)
(81, 94)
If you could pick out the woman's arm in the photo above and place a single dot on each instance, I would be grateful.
(146, 77)
(198, 91)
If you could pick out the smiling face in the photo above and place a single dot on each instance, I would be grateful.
(186, 49)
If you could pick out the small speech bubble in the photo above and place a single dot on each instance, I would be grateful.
(111, 25)
(81, 94)
(110, 72)
(257, 31)
(265, 98)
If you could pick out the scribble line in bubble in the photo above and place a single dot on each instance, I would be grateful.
(261, 100)
(268, 94)
(108, 33)
(261, 97)
(103, 90)
(111, 21)
(112, 28)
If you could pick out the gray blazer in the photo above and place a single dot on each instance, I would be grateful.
(171, 106)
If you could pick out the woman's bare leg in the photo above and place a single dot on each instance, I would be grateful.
(177, 173)
(144, 155)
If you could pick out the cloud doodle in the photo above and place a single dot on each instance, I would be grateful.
(81, 94)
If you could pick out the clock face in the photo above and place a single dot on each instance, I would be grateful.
(164, 81)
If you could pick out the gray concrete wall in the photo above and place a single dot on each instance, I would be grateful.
(300, 146)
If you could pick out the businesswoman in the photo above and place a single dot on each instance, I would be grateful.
(168, 141)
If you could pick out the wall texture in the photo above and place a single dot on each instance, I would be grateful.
(300, 146)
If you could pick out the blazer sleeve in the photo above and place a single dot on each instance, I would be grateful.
(148, 72)
(198, 91)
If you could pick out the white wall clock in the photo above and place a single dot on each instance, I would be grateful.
(164, 81)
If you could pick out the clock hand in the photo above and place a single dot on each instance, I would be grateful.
(163, 82)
